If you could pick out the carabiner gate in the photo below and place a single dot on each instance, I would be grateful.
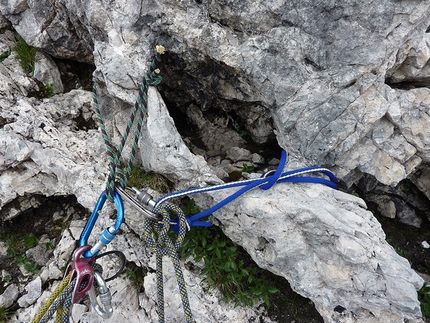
(104, 295)
(109, 233)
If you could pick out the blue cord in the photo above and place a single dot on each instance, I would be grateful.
(265, 182)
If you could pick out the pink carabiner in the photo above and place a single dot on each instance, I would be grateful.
(81, 270)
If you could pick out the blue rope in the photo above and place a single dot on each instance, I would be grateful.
(265, 182)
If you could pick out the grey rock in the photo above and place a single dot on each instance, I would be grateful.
(236, 154)
(257, 159)
(7, 41)
(49, 26)
(4, 23)
(45, 136)
(327, 76)
(164, 151)
(50, 272)
(203, 311)
(260, 66)
(64, 249)
(34, 290)
(9, 296)
(47, 72)
(3, 249)
(403, 202)
(216, 138)
(40, 254)
(329, 247)
(421, 178)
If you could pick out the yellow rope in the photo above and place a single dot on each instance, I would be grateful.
(60, 288)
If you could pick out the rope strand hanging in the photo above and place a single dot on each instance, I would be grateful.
(155, 232)
(151, 78)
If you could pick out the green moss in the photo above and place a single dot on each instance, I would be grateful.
(135, 275)
(141, 178)
(4, 56)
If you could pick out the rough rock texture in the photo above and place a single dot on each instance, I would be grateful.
(316, 234)
(46, 71)
(338, 84)
(327, 75)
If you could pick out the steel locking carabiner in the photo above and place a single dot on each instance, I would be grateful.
(104, 295)
(109, 233)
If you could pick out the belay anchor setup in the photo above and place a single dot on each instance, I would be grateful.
(160, 217)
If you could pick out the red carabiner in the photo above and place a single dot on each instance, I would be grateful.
(81, 269)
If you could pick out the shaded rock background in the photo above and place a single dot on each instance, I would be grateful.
(341, 85)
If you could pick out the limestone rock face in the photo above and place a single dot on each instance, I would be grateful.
(324, 78)
(340, 84)
(329, 247)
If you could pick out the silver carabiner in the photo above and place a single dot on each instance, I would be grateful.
(104, 295)
(144, 199)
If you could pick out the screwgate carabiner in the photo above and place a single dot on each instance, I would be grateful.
(105, 297)
(109, 233)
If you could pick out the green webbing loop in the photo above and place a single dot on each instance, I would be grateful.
(156, 235)
(151, 78)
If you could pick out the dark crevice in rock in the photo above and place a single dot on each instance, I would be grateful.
(75, 74)
(3, 121)
(85, 124)
(404, 202)
(213, 87)
(408, 84)
(43, 217)
(394, 207)
(308, 61)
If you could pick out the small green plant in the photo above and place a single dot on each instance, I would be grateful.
(4, 56)
(47, 91)
(21, 260)
(190, 208)
(12, 252)
(5, 314)
(31, 267)
(49, 245)
(30, 240)
(7, 278)
(247, 169)
(241, 129)
(16, 250)
(135, 275)
(26, 55)
(226, 266)
(400, 251)
(424, 298)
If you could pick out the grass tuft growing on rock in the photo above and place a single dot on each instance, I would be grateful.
(26, 55)
(5, 314)
(226, 266)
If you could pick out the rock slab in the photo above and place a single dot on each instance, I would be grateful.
(329, 247)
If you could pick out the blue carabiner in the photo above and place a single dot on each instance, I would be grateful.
(109, 233)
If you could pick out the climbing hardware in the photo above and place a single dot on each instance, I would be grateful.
(160, 217)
